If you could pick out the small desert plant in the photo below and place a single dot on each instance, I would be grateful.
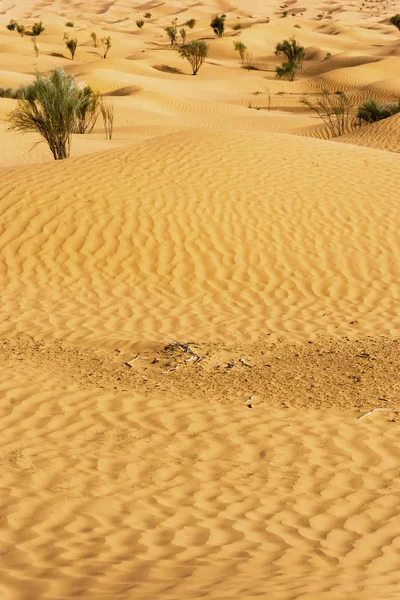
(72, 45)
(294, 54)
(139, 23)
(241, 48)
(183, 35)
(6, 93)
(218, 25)
(191, 23)
(196, 53)
(49, 108)
(284, 14)
(95, 41)
(37, 28)
(107, 112)
(371, 112)
(172, 32)
(21, 29)
(35, 45)
(395, 20)
(147, 16)
(107, 45)
(237, 27)
(12, 25)
(328, 55)
(248, 61)
(88, 111)
(69, 24)
(332, 108)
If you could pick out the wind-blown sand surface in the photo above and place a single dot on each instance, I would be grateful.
(200, 316)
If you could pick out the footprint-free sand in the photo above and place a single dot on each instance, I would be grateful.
(199, 320)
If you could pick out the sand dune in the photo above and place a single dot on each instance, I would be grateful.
(199, 322)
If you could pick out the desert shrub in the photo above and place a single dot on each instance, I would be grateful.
(140, 23)
(328, 55)
(106, 41)
(183, 35)
(12, 25)
(395, 20)
(95, 41)
(88, 111)
(294, 54)
(218, 25)
(191, 23)
(284, 14)
(248, 61)
(297, 26)
(37, 28)
(241, 48)
(69, 24)
(195, 53)
(172, 32)
(107, 113)
(72, 45)
(147, 15)
(237, 27)
(6, 92)
(21, 29)
(371, 112)
(332, 108)
(49, 107)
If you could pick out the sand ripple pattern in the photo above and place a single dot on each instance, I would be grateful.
(129, 496)
(202, 232)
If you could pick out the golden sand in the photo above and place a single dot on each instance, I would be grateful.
(200, 316)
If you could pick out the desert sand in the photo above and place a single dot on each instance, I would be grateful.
(199, 326)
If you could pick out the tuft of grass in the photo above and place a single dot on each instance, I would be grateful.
(371, 112)
(37, 29)
(140, 23)
(72, 45)
(48, 107)
(69, 24)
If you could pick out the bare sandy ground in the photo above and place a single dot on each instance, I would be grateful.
(199, 318)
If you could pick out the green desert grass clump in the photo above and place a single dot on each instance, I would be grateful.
(332, 108)
(218, 25)
(294, 54)
(69, 24)
(172, 32)
(371, 112)
(240, 48)
(147, 15)
(140, 23)
(37, 28)
(195, 53)
(94, 39)
(182, 33)
(107, 113)
(191, 23)
(12, 25)
(21, 29)
(71, 44)
(107, 45)
(88, 111)
(395, 20)
(49, 108)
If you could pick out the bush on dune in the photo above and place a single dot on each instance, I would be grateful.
(371, 112)
(195, 53)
